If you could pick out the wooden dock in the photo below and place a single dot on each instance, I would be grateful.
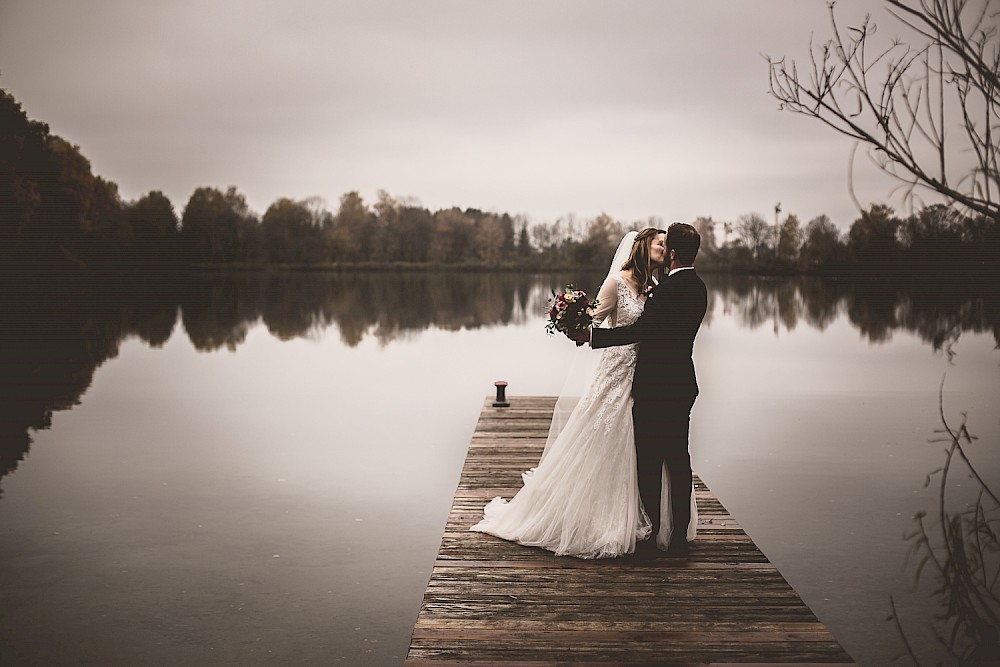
(493, 602)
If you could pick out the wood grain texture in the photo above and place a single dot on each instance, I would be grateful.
(493, 602)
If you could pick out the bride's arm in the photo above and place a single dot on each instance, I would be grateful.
(650, 326)
(607, 302)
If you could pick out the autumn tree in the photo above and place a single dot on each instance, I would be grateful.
(509, 233)
(386, 223)
(543, 236)
(706, 229)
(24, 159)
(416, 225)
(218, 227)
(600, 243)
(293, 233)
(822, 247)
(350, 234)
(934, 235)
(490, 240)
(872, 238)
(755, 233)
(789, 239)
(109, 239)
(523, 241)
(450, 241)
(54, 211)
(57, 213)
(154, 227)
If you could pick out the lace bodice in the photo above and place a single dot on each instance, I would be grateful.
(629, 305)
(613, 380)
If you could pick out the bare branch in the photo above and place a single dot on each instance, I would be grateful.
(900, 102)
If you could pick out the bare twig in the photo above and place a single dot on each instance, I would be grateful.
(958, 558)
(894, 99)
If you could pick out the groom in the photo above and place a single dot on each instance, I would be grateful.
(664, 385)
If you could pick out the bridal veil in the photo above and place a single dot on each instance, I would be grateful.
(585, 363)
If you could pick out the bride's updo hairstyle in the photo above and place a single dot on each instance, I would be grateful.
(639, 262)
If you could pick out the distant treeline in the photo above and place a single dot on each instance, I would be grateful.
(56, 214)
(936, 238)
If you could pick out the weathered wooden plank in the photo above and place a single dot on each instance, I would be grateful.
(630, 626)
(492, 602)
(431, 662)
(467, 662)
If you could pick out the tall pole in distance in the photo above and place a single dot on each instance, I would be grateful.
(777, 228)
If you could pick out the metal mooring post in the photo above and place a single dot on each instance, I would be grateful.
(501, 401)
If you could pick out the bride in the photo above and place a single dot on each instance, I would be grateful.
(583, 498)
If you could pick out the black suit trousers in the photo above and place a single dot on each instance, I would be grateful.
(661, 436)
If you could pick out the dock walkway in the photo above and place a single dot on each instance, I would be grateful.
(491, 602)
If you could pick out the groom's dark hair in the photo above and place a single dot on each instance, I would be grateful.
(684, 240)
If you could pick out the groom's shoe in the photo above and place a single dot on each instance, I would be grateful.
(678, 547)
(646, 550)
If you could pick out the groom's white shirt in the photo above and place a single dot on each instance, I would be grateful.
(680, 268)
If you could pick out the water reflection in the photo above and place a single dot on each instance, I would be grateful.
(51, 342)
(938, 313)
(50, 346)
(387, 307)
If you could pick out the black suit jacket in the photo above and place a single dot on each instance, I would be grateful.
(665, 332)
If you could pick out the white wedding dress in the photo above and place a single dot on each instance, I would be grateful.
(583, 498)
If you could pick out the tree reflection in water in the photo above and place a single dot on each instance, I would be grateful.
(388, 307)
(938, 313)
(52, 340)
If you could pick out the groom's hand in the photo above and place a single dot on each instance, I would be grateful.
(580, 337)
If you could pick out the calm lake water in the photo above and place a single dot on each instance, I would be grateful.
(257, 469)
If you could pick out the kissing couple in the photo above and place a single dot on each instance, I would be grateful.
(615, 478)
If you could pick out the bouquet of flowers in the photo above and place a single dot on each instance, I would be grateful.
(571, 311)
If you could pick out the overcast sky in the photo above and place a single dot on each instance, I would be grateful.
(636, 109)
